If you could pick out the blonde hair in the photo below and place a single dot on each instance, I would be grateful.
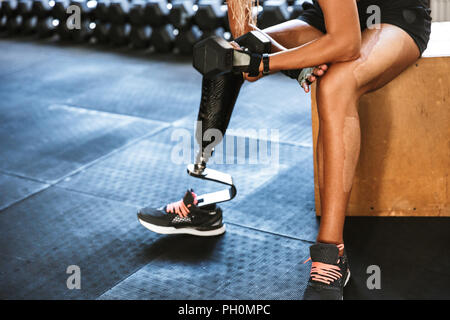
(243, 13)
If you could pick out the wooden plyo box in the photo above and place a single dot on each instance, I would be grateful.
(404, 164)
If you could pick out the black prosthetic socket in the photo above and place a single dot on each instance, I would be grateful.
(219, 95)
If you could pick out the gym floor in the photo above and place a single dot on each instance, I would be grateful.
(87, 136)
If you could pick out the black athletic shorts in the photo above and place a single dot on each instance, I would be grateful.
(412, 16)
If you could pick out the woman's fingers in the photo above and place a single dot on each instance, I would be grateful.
(317, 72)
(235, 45)
(251, 79)
(305, 85)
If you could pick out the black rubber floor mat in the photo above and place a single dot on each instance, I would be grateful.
(241, 264)
(147, 173)
(45, 234)
(284, 205)
(57, 78)
(159, 91)
(30, 55)
(13, 189)
(412, 254)
(47, 142)
(102, 80)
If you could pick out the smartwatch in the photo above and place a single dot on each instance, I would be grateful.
(265, 59)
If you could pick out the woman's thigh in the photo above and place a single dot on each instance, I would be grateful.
(385, 53)
(293, 33)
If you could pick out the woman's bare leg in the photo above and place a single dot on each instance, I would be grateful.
(385, 53)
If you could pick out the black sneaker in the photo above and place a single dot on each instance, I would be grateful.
(329, 273)
(184, 217)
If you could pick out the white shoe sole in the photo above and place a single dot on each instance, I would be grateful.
(191, 231)
(346, 281)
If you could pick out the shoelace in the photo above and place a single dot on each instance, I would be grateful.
(324, 272)
(179, 207)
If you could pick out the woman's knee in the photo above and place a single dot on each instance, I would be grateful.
(336, 90)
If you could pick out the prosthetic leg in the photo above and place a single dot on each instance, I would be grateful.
(219, 95)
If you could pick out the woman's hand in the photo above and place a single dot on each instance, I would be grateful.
(252, 79)
(245, 75)
(317, 73)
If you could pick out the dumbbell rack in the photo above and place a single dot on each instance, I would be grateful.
(160, 25)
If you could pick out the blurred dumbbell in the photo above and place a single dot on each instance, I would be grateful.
(86, 8)
(3, 21)
(63, 31)
(9, 8)
(274, 12)
(59, 9)
(29, 25)
(163, 39)
(185, 39)
(28, 21)
(84, 33)
(182, 14)
(137, 13)
(226, 23)
(45, 27)
(17, 15)
(119, 34)
(41, 8)
(3, 18)
(298, 7)
(156, 13)
(210, 14)
(219, 32)
(118, 11)
(24, 8)
(140, 37)
(14, 24)
(101, 10)
(101, 32)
